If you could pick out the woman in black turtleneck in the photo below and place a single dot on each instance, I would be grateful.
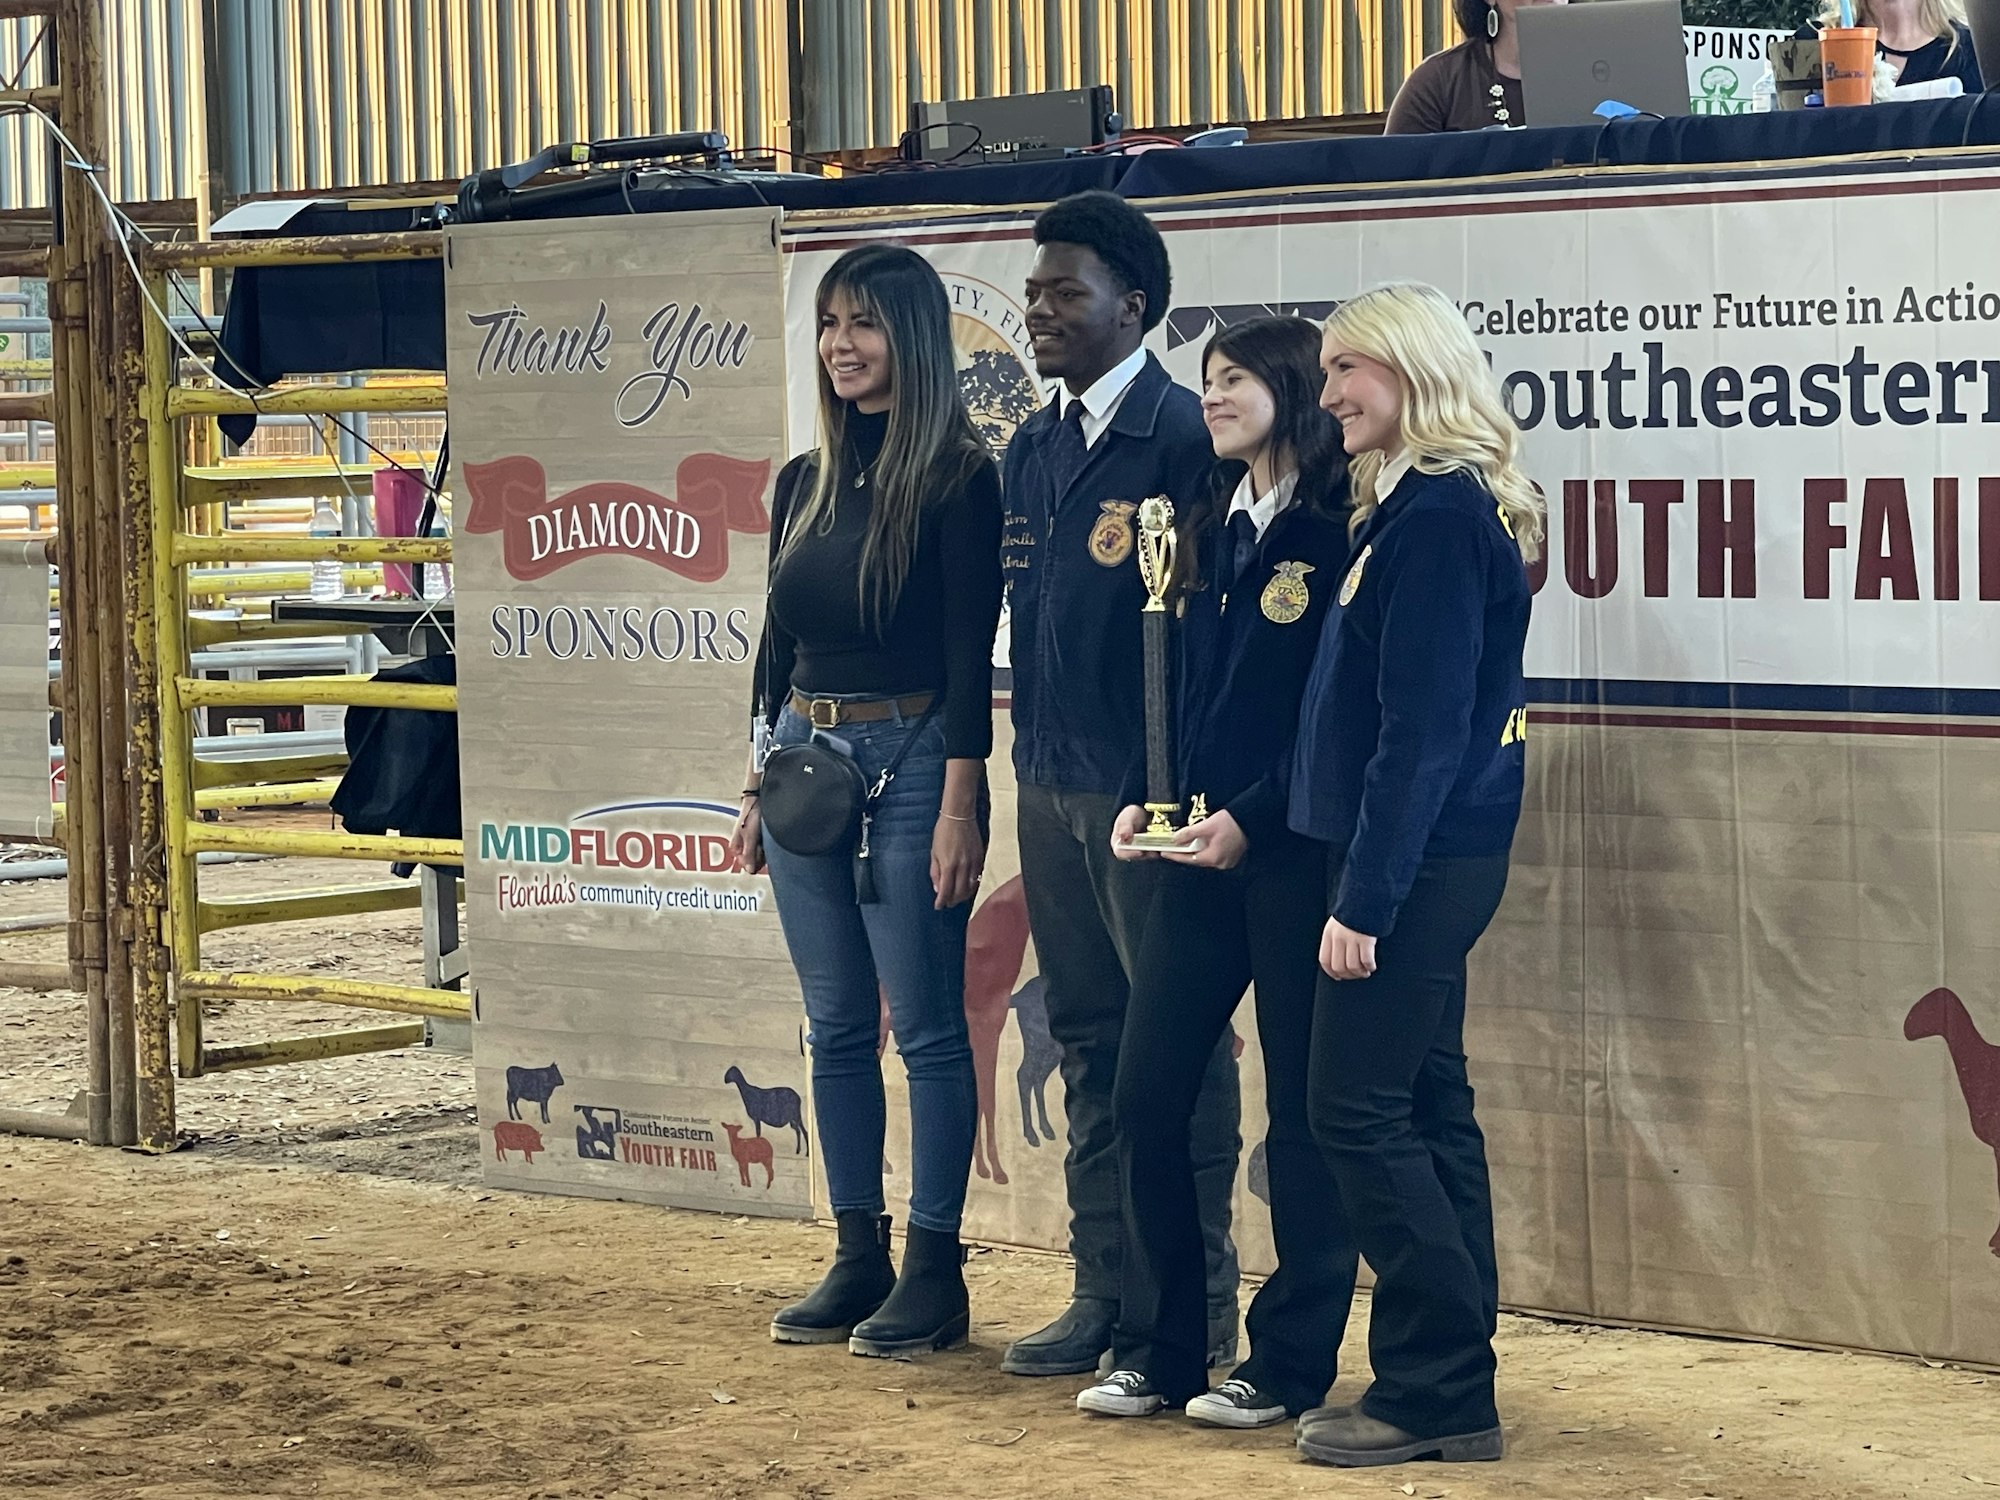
(885, 597)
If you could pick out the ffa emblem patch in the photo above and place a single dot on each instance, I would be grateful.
(1111, 537)
(1354, 578)
(1285, 596)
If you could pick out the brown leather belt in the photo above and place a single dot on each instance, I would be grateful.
(831, 713)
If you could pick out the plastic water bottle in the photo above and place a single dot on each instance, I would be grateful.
(437, 576)
(1764, 94)
(327, 582)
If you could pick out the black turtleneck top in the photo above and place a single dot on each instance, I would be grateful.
(820, 634)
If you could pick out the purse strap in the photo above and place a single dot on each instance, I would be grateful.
(889, 771)
(770, 692)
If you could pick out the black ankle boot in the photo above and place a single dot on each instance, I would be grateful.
(860, 1279)
(928, 1310)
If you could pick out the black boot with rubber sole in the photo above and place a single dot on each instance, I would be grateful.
(928, 1310)
(858, 1282)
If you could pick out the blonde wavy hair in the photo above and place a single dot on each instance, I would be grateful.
(1941, 18)
(1453, 416)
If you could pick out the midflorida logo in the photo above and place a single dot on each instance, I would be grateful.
(656, 844)
(686, 533)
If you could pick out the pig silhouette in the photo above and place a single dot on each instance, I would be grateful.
(513, 1135)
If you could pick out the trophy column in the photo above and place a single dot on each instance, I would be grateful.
(1156, 565)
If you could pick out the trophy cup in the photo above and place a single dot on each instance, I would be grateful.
(1156, 566)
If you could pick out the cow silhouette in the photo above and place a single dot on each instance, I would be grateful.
(754, 1150)
(775, 1107)
(535, 1085)
(1040, 1057)
(1975, 1060)
(512, 1135)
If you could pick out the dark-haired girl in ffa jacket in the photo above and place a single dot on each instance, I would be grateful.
(1410, 753)
(1241, 898)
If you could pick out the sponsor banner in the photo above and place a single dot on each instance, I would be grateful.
(616, 424)
(1724, 64)
(1769, 436)
(1725, 1030)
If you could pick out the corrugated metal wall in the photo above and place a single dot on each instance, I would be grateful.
(306, 94)
(341, 93)
(24, 143)
(1172, 62)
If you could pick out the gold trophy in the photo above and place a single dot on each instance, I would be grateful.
(1156, 566)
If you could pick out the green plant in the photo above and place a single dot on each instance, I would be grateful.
(1783, 15)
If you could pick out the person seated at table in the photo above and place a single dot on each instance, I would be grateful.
(1921, 40)
(1473, 86)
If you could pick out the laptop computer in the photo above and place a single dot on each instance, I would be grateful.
(1575, 57)
(1983, 16)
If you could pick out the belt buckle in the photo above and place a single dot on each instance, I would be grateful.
(831, 720)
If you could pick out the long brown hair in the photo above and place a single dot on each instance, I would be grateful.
(931, 442)
(1282, 355)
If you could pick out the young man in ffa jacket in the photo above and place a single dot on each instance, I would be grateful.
(1118, 431)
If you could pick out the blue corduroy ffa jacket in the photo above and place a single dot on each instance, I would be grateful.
(1073, 581)
(1410, 741)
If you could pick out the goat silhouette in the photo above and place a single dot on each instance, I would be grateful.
(1973, 1058)
(749, 1151)
(1040, 1057)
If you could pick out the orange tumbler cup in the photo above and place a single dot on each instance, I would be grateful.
(1847, 64)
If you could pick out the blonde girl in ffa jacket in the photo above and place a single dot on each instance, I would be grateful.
(1409, 768)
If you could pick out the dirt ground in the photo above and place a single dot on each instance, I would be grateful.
(316, 1297)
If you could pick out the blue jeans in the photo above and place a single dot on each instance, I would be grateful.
(900, 947)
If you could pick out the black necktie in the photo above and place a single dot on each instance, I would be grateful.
(1242, 547)
(1068, 452)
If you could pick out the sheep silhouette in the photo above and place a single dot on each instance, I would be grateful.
(775, 1107)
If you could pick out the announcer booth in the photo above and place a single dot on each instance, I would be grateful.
(1726, 1031)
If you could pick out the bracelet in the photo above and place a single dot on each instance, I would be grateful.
(955, 817)
(751, 791)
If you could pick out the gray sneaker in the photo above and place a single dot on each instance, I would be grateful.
(1125, 1393)
(1237, 1403)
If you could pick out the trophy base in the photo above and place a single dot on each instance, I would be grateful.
(1155, 842)
(1161, 834)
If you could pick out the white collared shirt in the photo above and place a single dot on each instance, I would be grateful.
(1264, 508)
(1102, 400)
(1392, 475)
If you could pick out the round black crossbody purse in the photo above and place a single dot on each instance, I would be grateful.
(813, 798)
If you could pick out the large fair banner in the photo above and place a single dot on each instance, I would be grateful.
(1727, 1031)
(617, 421)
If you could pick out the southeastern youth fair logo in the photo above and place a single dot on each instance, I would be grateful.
(634, 856)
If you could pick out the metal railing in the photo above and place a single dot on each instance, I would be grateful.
(168, 692)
